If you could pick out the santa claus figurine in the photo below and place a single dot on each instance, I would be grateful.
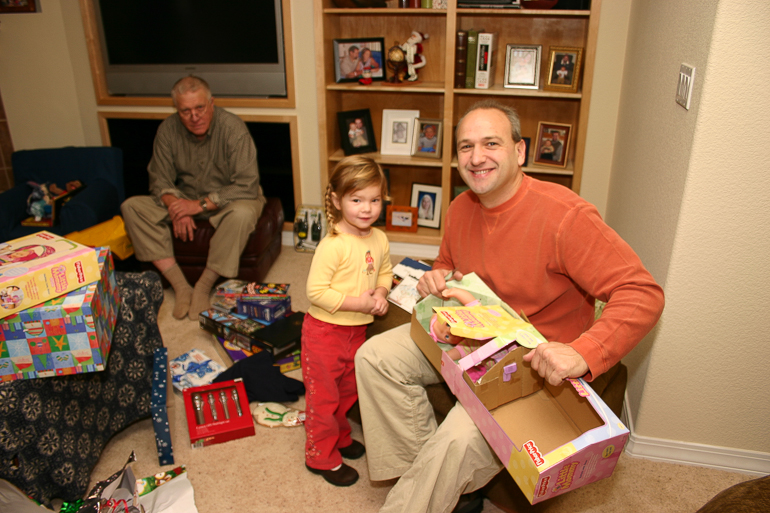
(414, 58)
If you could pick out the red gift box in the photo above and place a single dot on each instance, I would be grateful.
(217, 413)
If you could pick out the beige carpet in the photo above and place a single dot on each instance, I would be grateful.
(265, 473)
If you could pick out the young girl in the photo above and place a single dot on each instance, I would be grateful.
(349, 280)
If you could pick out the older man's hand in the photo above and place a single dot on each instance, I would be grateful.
(183, 207)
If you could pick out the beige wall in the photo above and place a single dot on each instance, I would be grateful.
(694, 203)
(686, 189)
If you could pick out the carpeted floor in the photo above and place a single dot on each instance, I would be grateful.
(266, 473)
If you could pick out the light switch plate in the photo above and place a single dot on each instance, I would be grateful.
(686, 81)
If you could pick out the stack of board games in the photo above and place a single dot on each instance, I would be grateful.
(280, 339)
(263, 302)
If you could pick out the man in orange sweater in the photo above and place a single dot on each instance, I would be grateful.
(545, 251)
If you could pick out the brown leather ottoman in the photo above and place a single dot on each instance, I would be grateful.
(261, 251)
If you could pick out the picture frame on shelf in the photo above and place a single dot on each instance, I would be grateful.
(397, 131)
(553, 141)
(356, 132)
(351, 62)
(427, 199)
(522, 66)
(7, 6)
(426, 139)
(401, 218)
(564, 68)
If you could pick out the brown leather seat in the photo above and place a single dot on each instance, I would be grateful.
(261, 251)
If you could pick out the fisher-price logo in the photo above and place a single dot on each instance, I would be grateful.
(449, 318)
(534, 453)
(543, 486)
(80, 273)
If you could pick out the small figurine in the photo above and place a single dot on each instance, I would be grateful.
(413, 52)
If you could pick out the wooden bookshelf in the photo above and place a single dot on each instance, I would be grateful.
(434, 94)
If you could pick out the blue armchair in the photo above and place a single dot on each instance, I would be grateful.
(99, 168)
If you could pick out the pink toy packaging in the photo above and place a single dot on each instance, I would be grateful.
(42, 266)
(550, 439)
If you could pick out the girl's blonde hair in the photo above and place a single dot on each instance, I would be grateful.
(352, 174)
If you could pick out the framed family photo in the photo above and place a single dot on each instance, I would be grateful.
(426, 140)
(397, 131)
(427, 199)
(564, 69)
(522, 66)
(552, 146)
(401, 219)
(355, 59)
(356, 132)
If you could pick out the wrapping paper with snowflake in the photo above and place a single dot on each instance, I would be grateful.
(159, 404)
(70, 334)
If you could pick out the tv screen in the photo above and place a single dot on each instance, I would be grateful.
(236, 46)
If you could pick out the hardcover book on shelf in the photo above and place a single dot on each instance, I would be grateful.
(461, 58)
(485, 60)
(470, 65)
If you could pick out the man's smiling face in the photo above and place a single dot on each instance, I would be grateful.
(489, 160)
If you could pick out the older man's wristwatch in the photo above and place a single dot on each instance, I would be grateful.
(204, 205)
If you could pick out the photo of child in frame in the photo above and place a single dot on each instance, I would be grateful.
(428, 138)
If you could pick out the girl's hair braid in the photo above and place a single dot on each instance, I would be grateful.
(329, 207)
(352, 174)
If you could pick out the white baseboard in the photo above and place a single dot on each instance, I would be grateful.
(685, 453)
(396, 248)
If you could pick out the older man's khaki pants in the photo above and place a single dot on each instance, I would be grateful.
(149, 227)
(436, 465)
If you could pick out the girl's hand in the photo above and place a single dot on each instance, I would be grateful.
(380, 302)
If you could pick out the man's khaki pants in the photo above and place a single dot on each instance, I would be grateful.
(149, 227)
(436, 465)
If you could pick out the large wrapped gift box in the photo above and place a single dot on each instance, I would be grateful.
(69, 334)
(550, 439)
(42, 266)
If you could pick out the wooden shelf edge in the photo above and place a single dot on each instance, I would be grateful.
(392, 160)
(430, 236)
(385, 10)
(498, 90)
(381, 86)
(527, 12)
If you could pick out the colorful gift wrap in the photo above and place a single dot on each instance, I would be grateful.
(69, 334)
(550, 439)
(42, 266)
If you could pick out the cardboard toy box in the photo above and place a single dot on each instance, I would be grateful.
(550, 439)
(217, 413)
(42, 266)
(69, 334)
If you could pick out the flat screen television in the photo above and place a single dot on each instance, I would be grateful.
(235, 45)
